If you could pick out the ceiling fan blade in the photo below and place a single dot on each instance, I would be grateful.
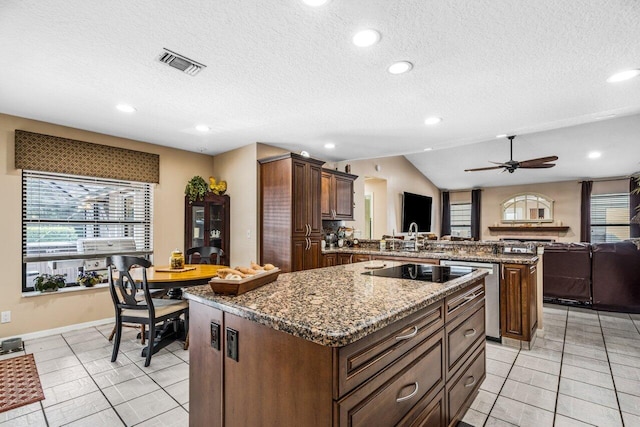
(539, 166)
(482, 169)
(529, 162)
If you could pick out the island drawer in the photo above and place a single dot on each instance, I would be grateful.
(364, 358)
(462, 334)
(457, 303)
(462, 388)
(390, 395)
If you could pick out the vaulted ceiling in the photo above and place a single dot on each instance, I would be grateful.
(287, 74)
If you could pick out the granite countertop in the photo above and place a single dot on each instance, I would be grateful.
(333, 306)
(457, 256)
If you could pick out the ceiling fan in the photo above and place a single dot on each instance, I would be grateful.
(512, 165)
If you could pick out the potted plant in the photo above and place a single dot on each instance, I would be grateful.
(196, 189)
(89, 278)
(49, 282)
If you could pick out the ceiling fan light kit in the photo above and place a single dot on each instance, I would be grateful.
(512, 165)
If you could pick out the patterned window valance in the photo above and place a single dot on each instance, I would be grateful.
(46, 153)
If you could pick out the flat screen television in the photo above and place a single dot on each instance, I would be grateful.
(416, 208)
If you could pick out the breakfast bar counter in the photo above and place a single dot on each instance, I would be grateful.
(335, 347)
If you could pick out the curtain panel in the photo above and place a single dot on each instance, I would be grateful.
(585, 211)
(475, 214)
(46, 153)
(634, 215)
(445, 228)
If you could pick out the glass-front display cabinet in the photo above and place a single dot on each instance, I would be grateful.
(207, 224)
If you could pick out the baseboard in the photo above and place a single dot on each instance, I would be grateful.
(61, 330)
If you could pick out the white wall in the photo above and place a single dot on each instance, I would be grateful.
(400, 176)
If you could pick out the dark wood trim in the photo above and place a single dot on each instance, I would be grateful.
(522, 229)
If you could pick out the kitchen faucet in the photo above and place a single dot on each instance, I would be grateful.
(413, 226)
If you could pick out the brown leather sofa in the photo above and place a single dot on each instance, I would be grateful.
(567, 273)
(615, 275)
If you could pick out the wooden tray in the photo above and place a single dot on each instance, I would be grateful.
(237, 287)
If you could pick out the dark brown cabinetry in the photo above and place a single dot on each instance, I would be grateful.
(291, 224)
(337, 195)
(207, 223)
(399, 375)
(518, 301)
(345, 259)
(329, 260)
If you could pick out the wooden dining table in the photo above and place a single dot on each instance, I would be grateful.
(159, 278)
(196, 274)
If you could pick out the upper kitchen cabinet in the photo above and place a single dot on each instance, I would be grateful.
(291, 223)
(337, 195)
(207, 223)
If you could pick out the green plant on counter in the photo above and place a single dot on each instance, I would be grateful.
(89, 278)
(196, 189)
(49, 282)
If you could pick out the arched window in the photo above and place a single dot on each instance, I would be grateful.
(527, 207)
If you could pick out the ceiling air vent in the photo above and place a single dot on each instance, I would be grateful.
(180, 62)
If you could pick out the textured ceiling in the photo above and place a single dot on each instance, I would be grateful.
(286, 74)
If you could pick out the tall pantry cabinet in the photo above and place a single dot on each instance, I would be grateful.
(291, 220)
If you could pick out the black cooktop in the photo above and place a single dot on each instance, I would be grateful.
(424, 272)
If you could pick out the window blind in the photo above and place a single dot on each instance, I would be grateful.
(73, 217)
(609, 217)
(461, 219)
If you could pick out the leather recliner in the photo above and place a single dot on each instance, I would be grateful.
(616, 276)
(567, 272)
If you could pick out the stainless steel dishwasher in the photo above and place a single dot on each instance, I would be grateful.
(492, 295)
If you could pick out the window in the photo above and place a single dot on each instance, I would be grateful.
(71, 223)
(461, 219)
(527, 208)
(609, 217)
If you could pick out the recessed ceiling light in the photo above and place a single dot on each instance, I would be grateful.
(623, 75)
(428, 149)
(433, 121)
(203, 128)
(502, 135)
(315, 3)
(594, 154)
(125, 108)
(400, 67)
(304, 154)
(366, 38)
(330, 145)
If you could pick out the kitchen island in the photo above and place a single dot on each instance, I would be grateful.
(332, 346)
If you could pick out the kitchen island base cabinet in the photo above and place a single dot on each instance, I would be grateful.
(518, 302)
(394, 376)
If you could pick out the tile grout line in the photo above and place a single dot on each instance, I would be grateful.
(500, 391)
(94, 381)
(564, 339)
(613, 381)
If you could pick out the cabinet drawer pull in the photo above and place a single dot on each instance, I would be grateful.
(470, 297)
(470, 332)
(409, 396)
(411, 335)
(473, 381)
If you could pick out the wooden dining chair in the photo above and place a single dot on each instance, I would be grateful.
(205, 253)
(147, 311)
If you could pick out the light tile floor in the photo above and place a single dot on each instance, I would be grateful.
(83, 388)
(586, 371)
